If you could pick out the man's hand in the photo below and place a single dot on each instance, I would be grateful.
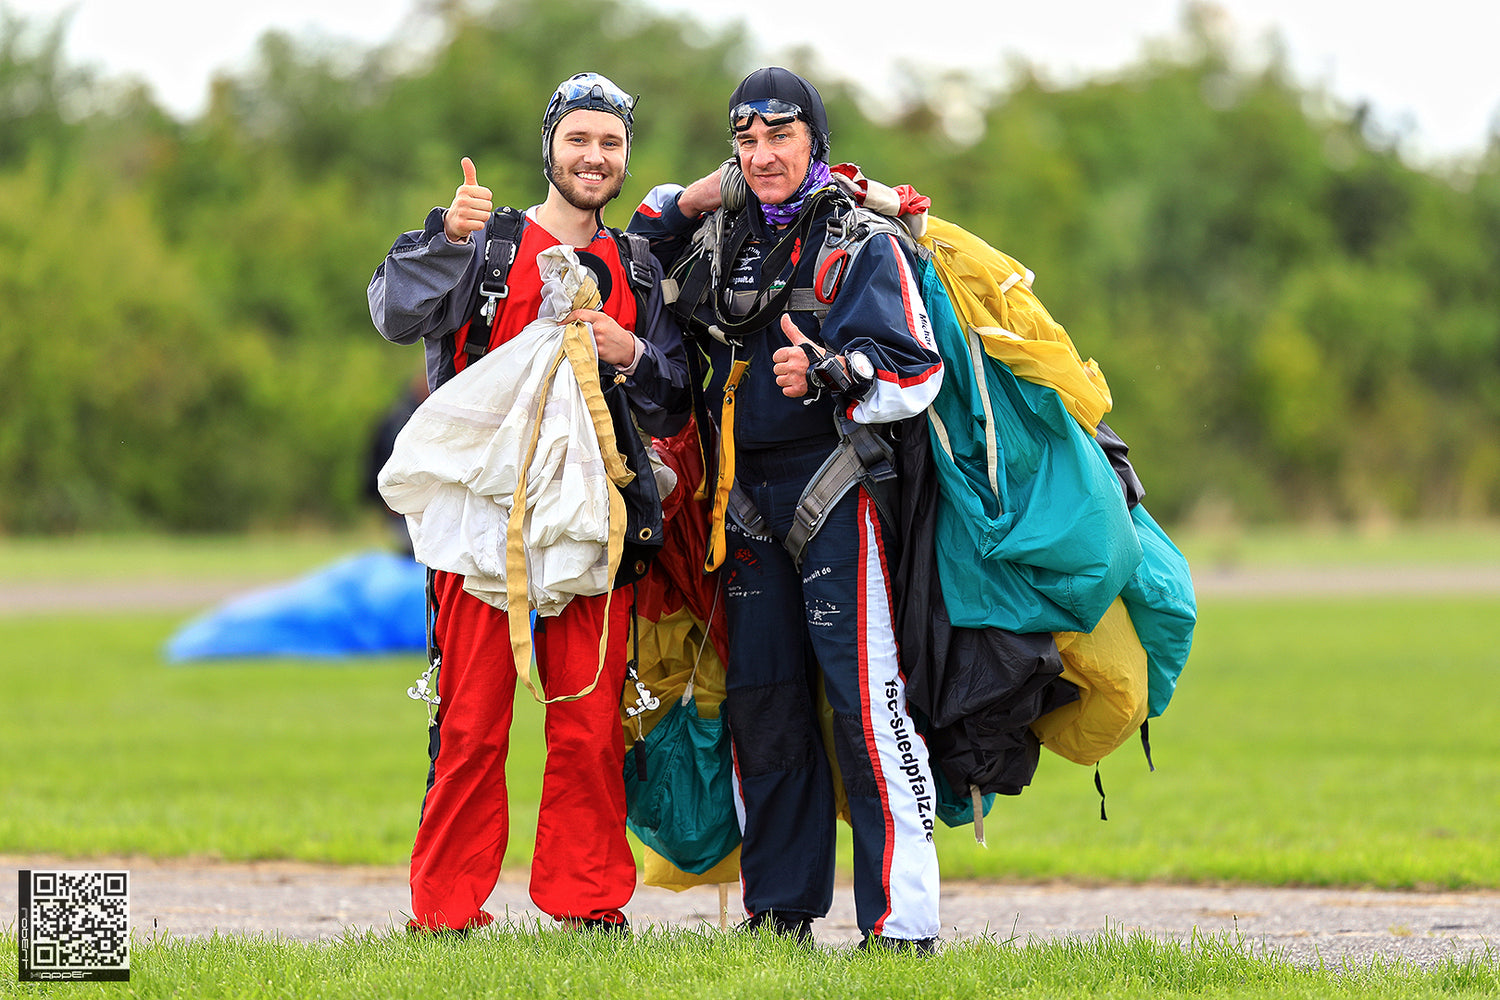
(471, 208)
(791, 362)
(614, 343)
(700, 197)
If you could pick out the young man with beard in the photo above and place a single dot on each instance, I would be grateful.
(813, 337)
(432, 287)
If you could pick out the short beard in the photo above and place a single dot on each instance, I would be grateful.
(589, 202)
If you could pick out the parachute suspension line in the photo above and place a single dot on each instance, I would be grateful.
(978, 798)
(991, 448)
(687, 692)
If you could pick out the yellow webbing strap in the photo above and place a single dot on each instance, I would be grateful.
(717, 546)
(578, 348)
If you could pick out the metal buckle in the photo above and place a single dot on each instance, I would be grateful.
(488, 309)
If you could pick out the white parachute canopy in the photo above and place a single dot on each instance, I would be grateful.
(454, 469)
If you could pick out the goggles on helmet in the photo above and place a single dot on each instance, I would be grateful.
(773, 111)
(592, 92)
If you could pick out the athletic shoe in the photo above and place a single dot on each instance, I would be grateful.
(900, 946)
(796, 926)
(610, 923)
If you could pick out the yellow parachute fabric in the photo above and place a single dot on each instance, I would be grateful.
(670, 650)
(658, 871)
(1108, 665)
(991, 294)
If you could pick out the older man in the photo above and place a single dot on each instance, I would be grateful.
(814, 334)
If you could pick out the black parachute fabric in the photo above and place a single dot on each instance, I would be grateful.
(977, 690)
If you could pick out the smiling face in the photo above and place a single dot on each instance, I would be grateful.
(588, 158)
(774, 158)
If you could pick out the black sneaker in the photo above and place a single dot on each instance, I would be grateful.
(416, 929)
(900, 946)
(611, 924)
(796, 926)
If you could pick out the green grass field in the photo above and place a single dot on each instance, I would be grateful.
(1331, 741)
(668, 965)
(1335, 741)
(1310, 742)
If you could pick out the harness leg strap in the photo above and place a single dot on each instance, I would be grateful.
(834, 477)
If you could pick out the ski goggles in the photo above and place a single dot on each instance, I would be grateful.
(772, 110)
(590, 90)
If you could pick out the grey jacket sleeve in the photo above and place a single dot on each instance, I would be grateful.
(425, 285)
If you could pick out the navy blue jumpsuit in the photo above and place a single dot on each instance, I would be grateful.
(827, 624)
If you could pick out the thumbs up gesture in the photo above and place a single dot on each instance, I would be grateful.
(471, 208)
(791, 363)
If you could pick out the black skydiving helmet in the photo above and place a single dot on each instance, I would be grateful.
(776, 96)
(587, 92)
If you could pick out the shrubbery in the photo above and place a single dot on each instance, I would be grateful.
(1292, 318)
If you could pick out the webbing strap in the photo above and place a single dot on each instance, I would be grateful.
(691, 287)
(717, 546)
(860, 455)
(801, 300)
(841, 470)
(503, 237)
(635, 250)
(578, 349)
(806, 300)
(744, 512)
(977, 797)
(703, 426)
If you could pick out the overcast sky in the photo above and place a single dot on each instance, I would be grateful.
(1428, 69)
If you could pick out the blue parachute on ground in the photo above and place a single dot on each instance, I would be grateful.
(365, 604)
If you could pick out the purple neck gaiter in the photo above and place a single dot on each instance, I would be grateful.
(818, 176)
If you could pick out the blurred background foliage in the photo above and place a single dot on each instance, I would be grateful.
(1296, 322)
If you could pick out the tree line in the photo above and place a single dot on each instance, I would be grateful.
(1294, 320)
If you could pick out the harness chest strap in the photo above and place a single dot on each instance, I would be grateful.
(801, 300)
(503, 240)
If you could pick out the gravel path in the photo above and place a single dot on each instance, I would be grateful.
(191, 899)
